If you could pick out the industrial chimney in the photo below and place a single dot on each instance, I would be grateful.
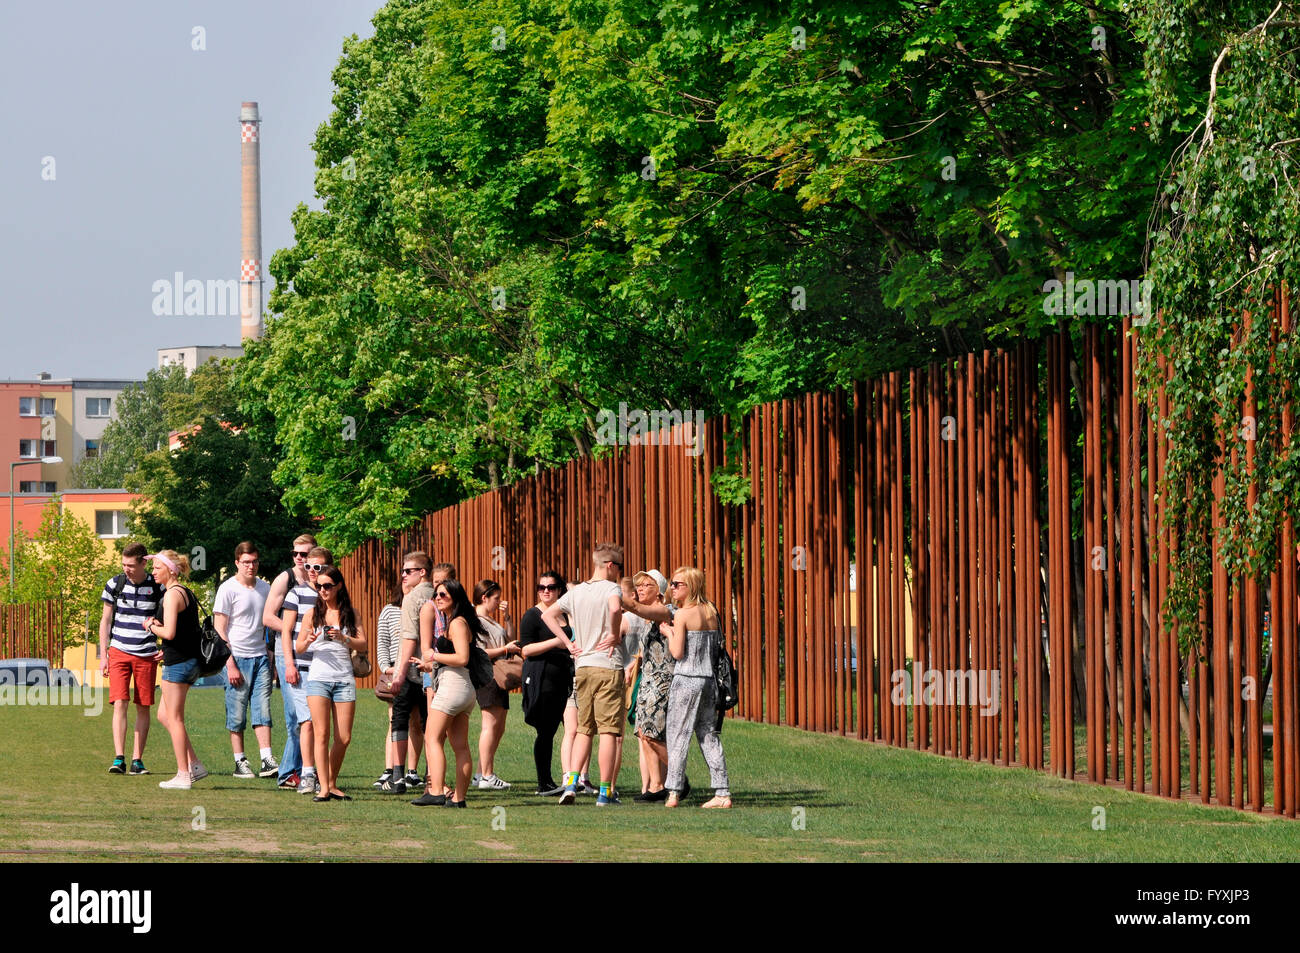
(250, 265)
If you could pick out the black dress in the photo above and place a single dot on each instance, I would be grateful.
(548, 678)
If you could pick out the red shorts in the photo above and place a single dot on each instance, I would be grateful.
(121, 667)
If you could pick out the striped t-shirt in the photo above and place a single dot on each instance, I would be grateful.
(133, 604)
(299, 599)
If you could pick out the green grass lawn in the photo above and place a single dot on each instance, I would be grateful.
(799, 796)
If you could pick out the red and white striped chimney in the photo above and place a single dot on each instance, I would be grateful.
(250, 264)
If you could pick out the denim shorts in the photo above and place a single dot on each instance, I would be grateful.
(334, 691)
(182, 673)
(255, 692)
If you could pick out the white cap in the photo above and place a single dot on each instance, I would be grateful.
(659, 579)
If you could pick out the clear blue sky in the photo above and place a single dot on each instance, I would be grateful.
(144, 133)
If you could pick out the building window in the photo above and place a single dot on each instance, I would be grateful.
(35, 406)
(37, 486)
(31, 449)
(111, 523)
(92, 449)
(98, 406)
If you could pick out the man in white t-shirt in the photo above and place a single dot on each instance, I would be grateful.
(595, 612)
(237, 616)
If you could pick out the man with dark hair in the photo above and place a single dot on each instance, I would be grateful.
(128, 650)
(237, 615)
(295, 575)
(595, 613)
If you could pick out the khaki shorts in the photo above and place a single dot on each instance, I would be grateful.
(601, 709)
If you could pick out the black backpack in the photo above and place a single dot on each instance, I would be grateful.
(725, 677)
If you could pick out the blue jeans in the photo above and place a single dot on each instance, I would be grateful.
(291, 760)
(254, 693)
(183, 673)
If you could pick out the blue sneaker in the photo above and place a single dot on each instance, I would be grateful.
(603, 801)
(570, 794)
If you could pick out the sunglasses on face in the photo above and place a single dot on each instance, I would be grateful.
(674, 584)
(326, 586)
(443, 594)
(314, 567)
(298, 555)
(407, 570)
(547, 587)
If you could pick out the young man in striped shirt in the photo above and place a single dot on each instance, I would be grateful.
(298, 664)
(129, 651)
(291, 759)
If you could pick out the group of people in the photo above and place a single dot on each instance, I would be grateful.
(591, 655)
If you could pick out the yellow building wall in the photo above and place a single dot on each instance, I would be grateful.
(63, 432)
(84, 510)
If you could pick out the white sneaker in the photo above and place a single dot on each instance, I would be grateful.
(490, 782)
(179, 783)
(197, 771)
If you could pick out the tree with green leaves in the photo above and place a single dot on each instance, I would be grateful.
(146, 413)
(64, 562)
(1225, 238)
(532, 212)
(215, 490)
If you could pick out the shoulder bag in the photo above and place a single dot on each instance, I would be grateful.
(214, 651)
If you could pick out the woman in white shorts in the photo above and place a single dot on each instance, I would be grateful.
(454, 699)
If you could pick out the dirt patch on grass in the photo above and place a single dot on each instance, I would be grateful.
(494, 845)
(201, 841)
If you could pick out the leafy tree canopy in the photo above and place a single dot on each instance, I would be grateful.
(536, 211)
(215, 491)
(1225, 238)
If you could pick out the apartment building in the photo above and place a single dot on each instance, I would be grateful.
(191, 356)
(48, 417)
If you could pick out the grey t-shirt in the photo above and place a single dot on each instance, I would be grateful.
(412, 603)
(587, 606)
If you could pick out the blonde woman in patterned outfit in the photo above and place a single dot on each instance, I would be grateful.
(692, 699)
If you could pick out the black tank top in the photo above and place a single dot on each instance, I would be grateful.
(185, 645)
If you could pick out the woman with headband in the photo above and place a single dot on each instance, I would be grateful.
(179, 630)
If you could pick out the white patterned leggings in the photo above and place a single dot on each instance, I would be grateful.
(691, 707)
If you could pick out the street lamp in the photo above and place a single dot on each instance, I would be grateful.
(12, 467)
